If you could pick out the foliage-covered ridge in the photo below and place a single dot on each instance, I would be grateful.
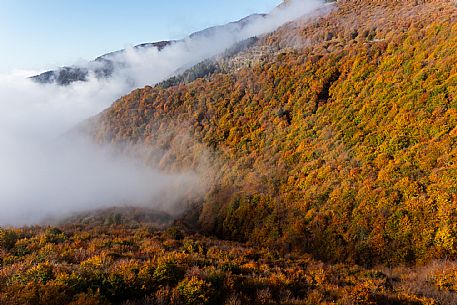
(343, 145)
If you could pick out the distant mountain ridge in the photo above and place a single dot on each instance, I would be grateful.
(105, 65)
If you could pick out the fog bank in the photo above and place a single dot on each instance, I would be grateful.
(47, 172)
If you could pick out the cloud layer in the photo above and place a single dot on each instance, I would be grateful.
(48, 172)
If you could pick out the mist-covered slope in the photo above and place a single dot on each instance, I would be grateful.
(339, 141)
(104, 66)
(315, 164)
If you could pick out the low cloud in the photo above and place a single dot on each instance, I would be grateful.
(48, 172)
(145, 66)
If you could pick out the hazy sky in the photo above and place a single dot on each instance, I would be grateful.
(38, 34)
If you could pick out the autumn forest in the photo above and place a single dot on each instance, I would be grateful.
(329, 152)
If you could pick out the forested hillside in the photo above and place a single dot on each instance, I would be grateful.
(328, 150)
(339, 141)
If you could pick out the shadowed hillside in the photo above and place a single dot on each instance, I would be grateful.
(135, 264)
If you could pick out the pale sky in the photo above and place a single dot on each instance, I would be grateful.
(41, 34)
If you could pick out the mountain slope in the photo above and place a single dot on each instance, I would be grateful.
(104, 66)
(342, 144)
(334, 136)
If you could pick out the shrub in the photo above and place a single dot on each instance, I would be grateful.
(195, 291)
(175, 233)
(89, 298)
(41, 273)
(168, 273)
(8, 239)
